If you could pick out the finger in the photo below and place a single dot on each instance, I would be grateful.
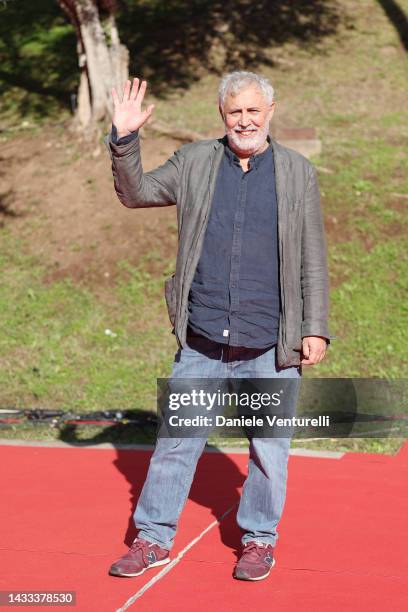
(305, 349)
(135, 89)
(146, 114)
(126, 91)
(314, 356)
(141, 93)
(322, 356)
(149, 110)
(311, 359)
(317, 358)
(308, 362)
(115, 97)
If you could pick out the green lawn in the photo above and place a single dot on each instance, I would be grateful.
(351, 86)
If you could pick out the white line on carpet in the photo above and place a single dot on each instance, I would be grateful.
(173, 563)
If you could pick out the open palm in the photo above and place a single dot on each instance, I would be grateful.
(128, 115)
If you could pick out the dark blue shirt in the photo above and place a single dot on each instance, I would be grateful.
(234, 297)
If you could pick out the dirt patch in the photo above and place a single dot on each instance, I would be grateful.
(59, 198)
(336, 228)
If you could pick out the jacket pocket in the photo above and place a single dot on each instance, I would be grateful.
(170, 295)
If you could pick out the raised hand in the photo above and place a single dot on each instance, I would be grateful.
(128, 115)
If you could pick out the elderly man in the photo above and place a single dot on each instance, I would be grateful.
(249, 297)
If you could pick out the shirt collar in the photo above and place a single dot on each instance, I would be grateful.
(254, 160)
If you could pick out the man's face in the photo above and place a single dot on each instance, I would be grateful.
(246, 117)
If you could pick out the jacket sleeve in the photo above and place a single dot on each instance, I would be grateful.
(136, 189)
(314, 272)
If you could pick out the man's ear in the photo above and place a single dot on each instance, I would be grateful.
(271, 110)
(221, 113)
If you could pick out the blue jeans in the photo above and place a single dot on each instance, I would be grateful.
(174, 460)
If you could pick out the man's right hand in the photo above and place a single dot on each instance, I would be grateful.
(128, 115)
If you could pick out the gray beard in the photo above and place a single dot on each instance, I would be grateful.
(248, 144)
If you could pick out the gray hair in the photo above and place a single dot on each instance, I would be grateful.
(233, 82)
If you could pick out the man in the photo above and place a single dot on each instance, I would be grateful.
(249, 297)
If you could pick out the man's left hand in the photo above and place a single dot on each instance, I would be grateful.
(313, 350)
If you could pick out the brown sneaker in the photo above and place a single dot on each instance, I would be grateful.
(256, 562)
(141, 556)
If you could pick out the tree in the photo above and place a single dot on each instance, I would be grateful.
(103, 60)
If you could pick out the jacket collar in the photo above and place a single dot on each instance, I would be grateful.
(281, 166)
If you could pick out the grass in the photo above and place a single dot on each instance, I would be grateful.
(64, 347)
(39, 65)
(55, 346)
(352, 87)
(369, 311)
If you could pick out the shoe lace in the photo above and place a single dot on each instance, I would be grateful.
(141, 545)
(252, 551)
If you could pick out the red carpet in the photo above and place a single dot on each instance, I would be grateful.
(343, 539)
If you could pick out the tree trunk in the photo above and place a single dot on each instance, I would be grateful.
(103, 62)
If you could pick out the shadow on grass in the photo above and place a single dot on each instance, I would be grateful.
(39, 63)
(171, 42)
(5, 203)
(398, 19)
(6, 198)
